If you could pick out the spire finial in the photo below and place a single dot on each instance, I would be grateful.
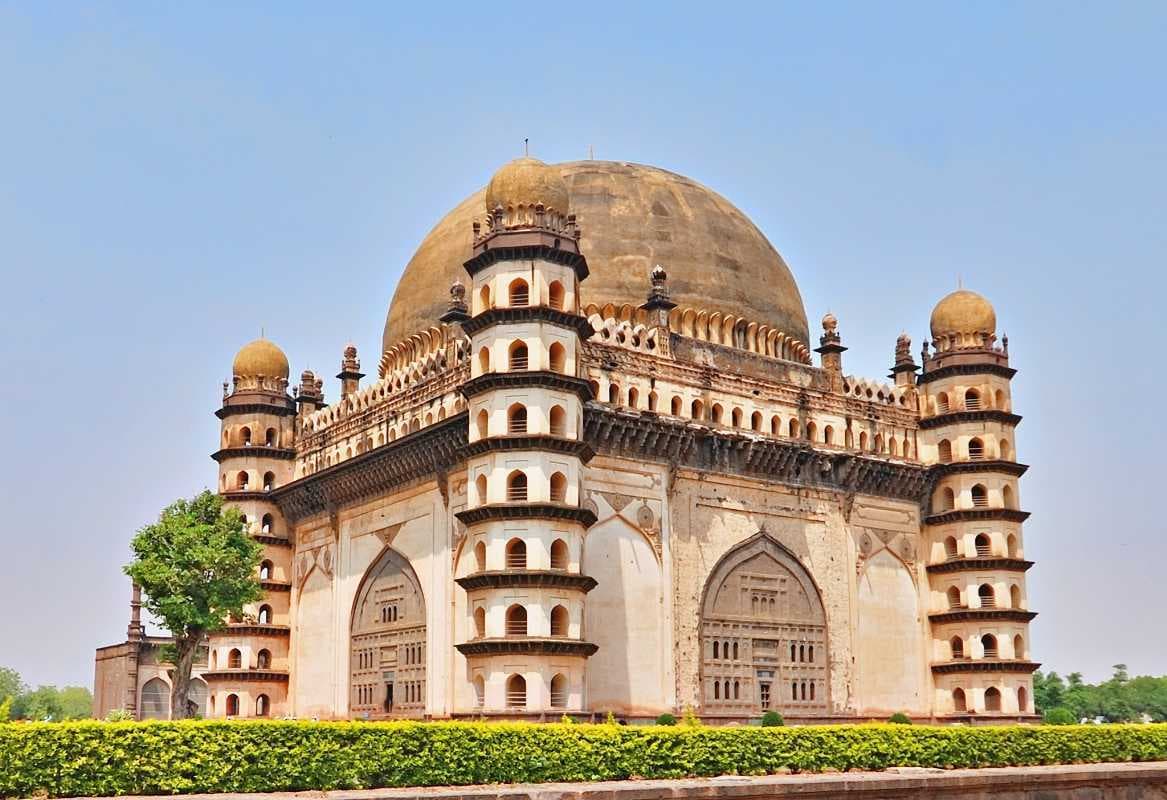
(526, 151)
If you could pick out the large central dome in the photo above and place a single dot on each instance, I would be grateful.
(632, 217)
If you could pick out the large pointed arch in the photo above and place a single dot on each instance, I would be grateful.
(763, 634)
(387, 666)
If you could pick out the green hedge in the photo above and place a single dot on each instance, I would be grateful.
(96, 758)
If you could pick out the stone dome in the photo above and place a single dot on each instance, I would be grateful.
(527, 182)
(260, 357)
(633, 217)
(963, 312)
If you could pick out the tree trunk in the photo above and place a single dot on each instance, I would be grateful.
(184, 650)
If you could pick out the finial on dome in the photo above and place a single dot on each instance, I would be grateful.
(830, 323)
(457, 310)
(658, 295)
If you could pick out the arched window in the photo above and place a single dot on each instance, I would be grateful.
(480, 556)
(516, 620)
(155, 699)
(736, 418)
(942, 403)
(263, 659)
(264, 617)
(520, 294)
(828, 435)
(559, 554)
(775, 425)
(947, 499)
(482, 424)
(559, 621)
(863, 441)
(614, 393)
(972, 400)
(945, 448)
(232, 705)
(516, 553)
(1005, 450)
(958, 702)
(953, 597)
(1019, 648)
(265, 570)
(716, 649)
(558, 421)
(517, 419)
(653, 399)
(484, 360)
(517, 357)
(558, 488)
(557, 357)
(951, 552)
(984, 546)
(559, 691)
(479, 691)
(1007, 497)
(675, 406)
(1011, 545)
(999, 400)
(633, 397)
(811, 431)
(697, 410)
(992, 699)
(718, 413)
(987, 596)
(980, 496)
(989, 645)
(976, 449)
(270, 438)
(480, 622)
(555, 295)
(235, 659)
(480, 489)
(907, 448)
(241, 481)
(1022, 699)
(1015, 596)
(245, 437)
(893, 446)
(717, 690)
(756, 421)
(957, 645)
(517, 487)
(269, 481)
(265, 524)
(792, 429)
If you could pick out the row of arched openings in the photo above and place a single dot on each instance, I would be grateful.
(976, 450)
(982, 547)
(989, 646)
(515, 555)
(243, 438)
(519, 358)
(986, 597)
(243, 481)
(519, 294)
(518, 423)
(516, 691)
(518, 488)
(235, 659)
(992, 699)
(978, 495)
(516, 621)
(973, 400)
(262, 705)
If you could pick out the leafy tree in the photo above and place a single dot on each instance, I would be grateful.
(1059, 716)
(1048, 690)
(43, 705)
(76, 702)
(11, 686)
(197, 567)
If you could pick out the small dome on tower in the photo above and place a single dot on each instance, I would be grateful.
(260, 357)
(963, 312)
(527, 182)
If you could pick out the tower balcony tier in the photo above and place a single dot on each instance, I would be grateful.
(975, 368)
(981, 415)
(246, 494)
(527, 645)
(980, 465)
(541, 442)
(532, 379)
(237, 675)
(981, 615)
(255, 451)
(521, 314)
(253, 629)
(276, 586)
(527, 245)
(980, 565)
(968, 665)
(528, 579)
(282, 407)
(977, 515)
(495, 511)
(275, 541)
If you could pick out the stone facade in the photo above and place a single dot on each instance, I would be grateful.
(550, 503)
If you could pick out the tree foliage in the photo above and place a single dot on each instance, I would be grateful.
(44, 704)
(1119, 699)
(197, 568)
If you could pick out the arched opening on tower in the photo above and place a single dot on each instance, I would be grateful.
(519, 293)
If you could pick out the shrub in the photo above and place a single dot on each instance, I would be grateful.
(772, 719)
(900, 718)
(689, 717)
(118, 715)
(123, 758)
(1059, 716)
(666, 719)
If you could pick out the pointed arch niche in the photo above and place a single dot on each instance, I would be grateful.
(763, 634)
(387, 642)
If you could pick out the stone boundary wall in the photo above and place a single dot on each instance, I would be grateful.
(1143, 781)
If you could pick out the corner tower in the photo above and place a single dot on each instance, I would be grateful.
(248, 660)
(524, 637)
(979, 613)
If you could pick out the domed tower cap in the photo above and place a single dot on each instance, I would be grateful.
(260, 358)
(963, 312)
(526, 183)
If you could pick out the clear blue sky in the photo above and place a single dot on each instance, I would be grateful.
(174, 177)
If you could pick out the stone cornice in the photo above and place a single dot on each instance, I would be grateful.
(526, 246)
(530, 578)
(967, 369)
(520, 314)
(240, 496)
(983, 415)
(276, 586)
(527, 645)
(245, 675)
(275, 541)
(279, 410)
(986, 465)
(255, 451)
(977, 515)
(979, 565)
(252, 629)
(537, 379)
(547, 444)
(984, 665)
(981, 615)
(494, 511)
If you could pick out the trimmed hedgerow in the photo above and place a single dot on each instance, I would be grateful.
(95, 758)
